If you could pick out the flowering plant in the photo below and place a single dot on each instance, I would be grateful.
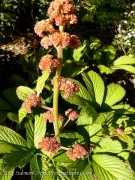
(84, 150)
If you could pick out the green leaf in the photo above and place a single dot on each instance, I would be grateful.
(95, 86)
(109, 167)
(5, 175)
(104, 117)
(128, 68)
(76, 99)
(105, 69)
(17, 159)
(95, 43)
(83, 92)
(94, 131)
(30, 133)
(74, 68)
(35, 132)
(124, 60)
(124, 154)
(123, 137)
(71, 137)
(39, 129)
(62, 158)
(22, 113)
(79, 52)
(41, 82)
(13, 117)
(84, 118)
(23, 92)
(34, 167)
(81, 169)
(115, 93)
(10, 136)
(108, 145)
(108, 53)
(7, 147)
(123, 109)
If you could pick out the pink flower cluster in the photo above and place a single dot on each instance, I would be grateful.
(32, 100)
(72, 114)
(60, 13)
(78, 151)
(47, 63)
(49, 144)
(48, 115)
(67, 86)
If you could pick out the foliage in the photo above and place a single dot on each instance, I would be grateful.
(66, 120)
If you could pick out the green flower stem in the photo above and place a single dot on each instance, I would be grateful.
(56, 90)
(63, 126)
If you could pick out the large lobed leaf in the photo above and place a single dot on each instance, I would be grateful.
(108, 167)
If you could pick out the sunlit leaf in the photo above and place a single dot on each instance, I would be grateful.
(109, 167)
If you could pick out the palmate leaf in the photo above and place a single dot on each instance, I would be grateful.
(23, 92)
(108, 145)
(10, 136)
(41, 82)
(95, 86)
(109, 167)
(124, 60)
(83, 92)
(35, 132)
(115, 93)
(81, 102)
